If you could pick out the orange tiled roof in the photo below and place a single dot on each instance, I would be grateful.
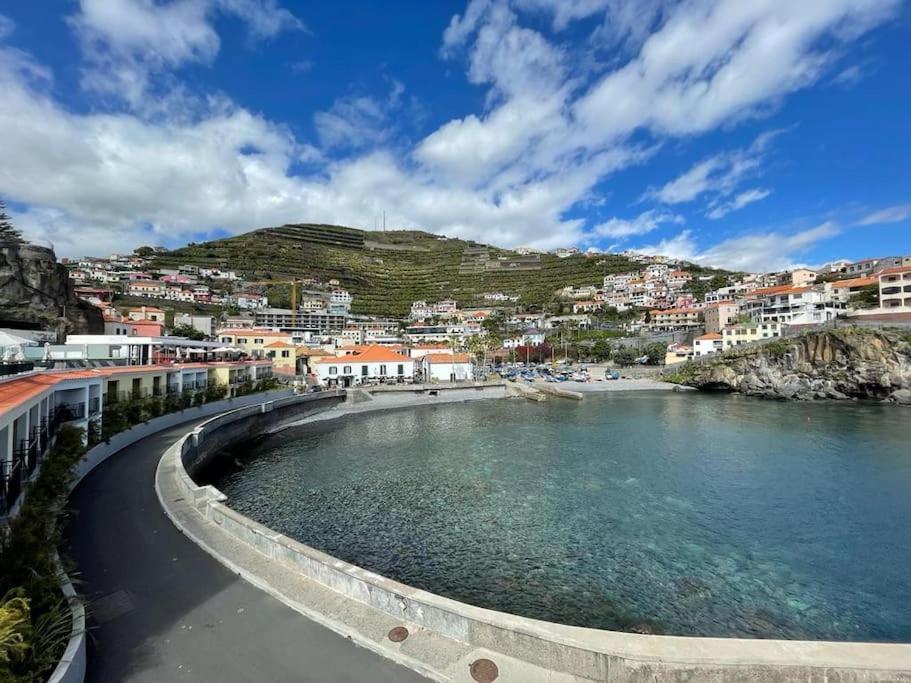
(710, 335)
(280, 345)
(673, 311)
(896, 270)
(855, 282)
(258, 332)
(372, 354)
(448, 358)
(17, 391)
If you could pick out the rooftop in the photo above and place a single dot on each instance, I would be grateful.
(448, 358)
(372, 354)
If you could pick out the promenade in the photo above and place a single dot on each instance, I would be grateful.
(161, 609)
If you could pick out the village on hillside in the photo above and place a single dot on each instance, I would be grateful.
(659, 314)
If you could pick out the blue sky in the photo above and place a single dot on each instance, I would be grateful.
(752, 135)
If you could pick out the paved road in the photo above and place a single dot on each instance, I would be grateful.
(161, 609)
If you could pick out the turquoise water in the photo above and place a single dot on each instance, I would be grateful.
(654, 512)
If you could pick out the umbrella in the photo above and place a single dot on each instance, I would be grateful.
(224, 349)
(7, 339)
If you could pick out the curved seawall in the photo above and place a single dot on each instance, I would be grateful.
(588, 654)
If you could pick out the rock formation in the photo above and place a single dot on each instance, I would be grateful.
(35, 291)
(830, 364)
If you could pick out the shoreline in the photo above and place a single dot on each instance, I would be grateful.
(395, 400)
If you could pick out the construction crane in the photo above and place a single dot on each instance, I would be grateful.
(295, 304)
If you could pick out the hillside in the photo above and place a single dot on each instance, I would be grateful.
(386, 271)
(827, 364)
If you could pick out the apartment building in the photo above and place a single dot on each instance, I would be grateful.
(675, 318)
(745, 333)
(895, 288)
(719, 315)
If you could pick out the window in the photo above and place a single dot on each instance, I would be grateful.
(241, 340)
(382, 370)
(286, 354)
(347, 370)
(401, 370)
(333, 370)
(364, 371)
(257, 341)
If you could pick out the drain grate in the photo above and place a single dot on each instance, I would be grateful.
(484, 671)
(397, 634)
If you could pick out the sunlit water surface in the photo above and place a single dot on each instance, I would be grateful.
(673, 513)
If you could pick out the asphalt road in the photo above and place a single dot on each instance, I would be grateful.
(161, 609)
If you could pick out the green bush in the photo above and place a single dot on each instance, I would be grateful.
(28, 569)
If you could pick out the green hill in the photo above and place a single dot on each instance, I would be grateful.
(386, 271)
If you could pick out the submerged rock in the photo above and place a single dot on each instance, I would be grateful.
(902, 397)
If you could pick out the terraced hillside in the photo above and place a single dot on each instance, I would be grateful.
(386, 271)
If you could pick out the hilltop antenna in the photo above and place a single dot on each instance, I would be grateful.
(384, 221)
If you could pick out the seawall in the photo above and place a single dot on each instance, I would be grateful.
(555, 651)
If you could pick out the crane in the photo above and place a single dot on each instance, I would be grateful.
(295, 304)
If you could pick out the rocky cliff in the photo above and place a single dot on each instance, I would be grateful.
(830, 364)
(36, 291)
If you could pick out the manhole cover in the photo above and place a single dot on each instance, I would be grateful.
(484, 671)
(398, 634)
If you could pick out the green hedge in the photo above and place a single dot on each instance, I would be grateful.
(37, 635)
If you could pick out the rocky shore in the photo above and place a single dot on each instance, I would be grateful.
(850, 363)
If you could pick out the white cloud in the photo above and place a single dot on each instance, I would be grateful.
(756, 252)
(619, 228)
(177, 164)
(7, 26)
(891, 214)
(129, 42)
(719, 175)
(711, 62)
(738, 202)
(357, 121)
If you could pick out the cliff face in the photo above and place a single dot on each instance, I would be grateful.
(35, 289)
(832, 364)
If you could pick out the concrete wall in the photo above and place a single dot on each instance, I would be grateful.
(72, 666)
(587, 653)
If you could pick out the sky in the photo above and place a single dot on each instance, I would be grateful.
(748, 135)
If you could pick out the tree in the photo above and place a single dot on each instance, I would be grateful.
(601, 350)
(8, 232)
(144, 252)
(188, 331)
(624, 356)
(656, 353)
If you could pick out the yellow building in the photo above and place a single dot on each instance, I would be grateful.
(745, 333)
(252, 341)
(677, 353)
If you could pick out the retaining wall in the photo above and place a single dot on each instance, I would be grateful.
(587, 653)
(72, 666)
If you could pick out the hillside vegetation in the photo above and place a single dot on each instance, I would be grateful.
(386, 271)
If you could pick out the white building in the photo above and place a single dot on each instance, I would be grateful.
(708, 344)
(448, 367)
(895, 288)
(797, 306)
(250, 301)
(373, 364)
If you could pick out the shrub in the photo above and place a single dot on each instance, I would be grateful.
(28, 568)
